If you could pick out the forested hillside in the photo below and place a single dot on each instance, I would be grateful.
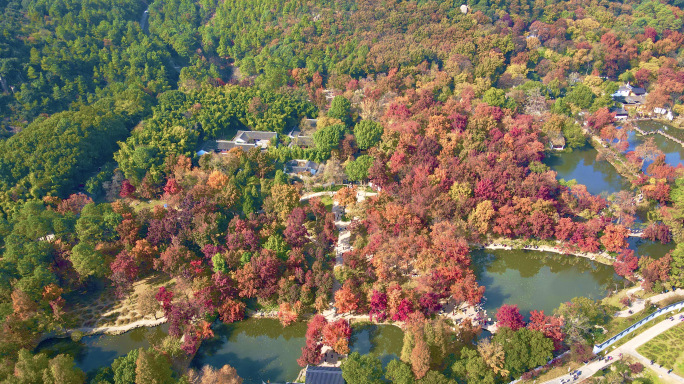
(439, 116)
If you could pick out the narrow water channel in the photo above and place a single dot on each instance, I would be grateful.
(654, 249)
(674, 153)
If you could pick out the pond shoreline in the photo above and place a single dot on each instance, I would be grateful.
(104, 330)
(600, 257)
(120, 329)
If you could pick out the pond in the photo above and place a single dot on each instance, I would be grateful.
(654, 249)
(582, 166)
(654, 125)
(674, 153)
(384, 341)
(536, 280)
(93, 352)
(259, 349)
(262, 350)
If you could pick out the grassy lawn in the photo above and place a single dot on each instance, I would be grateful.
(104, 309)
(667, 349)
(140, 204)
(651, 376)
(328, 202)
(333, 188)
(614, 300)
(646, 376)
(618, 324)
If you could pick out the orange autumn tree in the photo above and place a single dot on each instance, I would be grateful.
(288, 313)
(346, 196)
(614, 238)
(346, 300)
(336, 335)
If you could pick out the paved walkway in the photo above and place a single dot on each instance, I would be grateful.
(629, 348)
(639, 304)
(341, 247)
(309, 195)
(119, 329)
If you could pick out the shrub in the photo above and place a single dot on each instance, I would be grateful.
(636, 368)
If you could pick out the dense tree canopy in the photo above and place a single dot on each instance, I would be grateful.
(448, 112)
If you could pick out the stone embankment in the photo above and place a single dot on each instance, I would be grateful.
(600, 257)
(119, 329)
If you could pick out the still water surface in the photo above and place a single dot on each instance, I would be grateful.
(384, 341)
(93, 352)
(536, 280)
(582, 166)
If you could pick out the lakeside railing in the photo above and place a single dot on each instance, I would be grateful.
(672, 307)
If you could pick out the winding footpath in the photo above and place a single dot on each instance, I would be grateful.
(343, 245)
(629, 348)
(639, 304)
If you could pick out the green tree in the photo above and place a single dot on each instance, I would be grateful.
(277, 244)
(495, 97)
(103, 375)
(524, 349)
(580, 316)
(97, 223)
(399, 372)
(561, 107)
(29, 367)
(471, 368)
(367, 133)
(362, 369)
(434, 377)
(357, 170)
(124, 368)
(61, 370)
(88, 261)
(328, 138)
(407, 346)
(340, 108)
(219, 263)
(152, 368)
(677, 266)
(574, 137)
(581, 96)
